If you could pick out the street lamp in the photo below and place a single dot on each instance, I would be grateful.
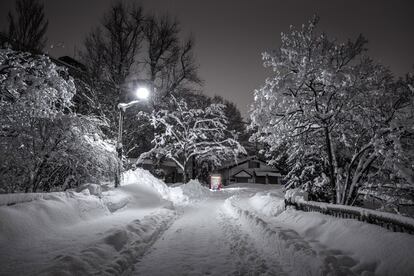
(142, 93)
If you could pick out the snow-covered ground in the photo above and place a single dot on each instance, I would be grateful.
(147, 228)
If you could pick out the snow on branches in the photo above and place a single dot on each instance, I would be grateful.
(34, 85)
(43, 144)
(188, 133)
(327, 100)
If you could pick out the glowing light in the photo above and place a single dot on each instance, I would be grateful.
(142, 93)
(215, 182)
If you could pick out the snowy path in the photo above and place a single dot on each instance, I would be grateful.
(205, 241)
(296, 254)
(104, 246)
(221, 236)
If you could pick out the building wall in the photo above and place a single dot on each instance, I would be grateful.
(243, 180)
(274, 179)
(261, 179)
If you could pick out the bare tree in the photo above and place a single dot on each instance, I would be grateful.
(27, 32)
(170, 65)
(111, 49)
(128, 46)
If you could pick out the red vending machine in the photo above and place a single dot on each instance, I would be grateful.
(215, 182)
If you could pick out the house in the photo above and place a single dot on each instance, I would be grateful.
(250, 170)
(75, 68)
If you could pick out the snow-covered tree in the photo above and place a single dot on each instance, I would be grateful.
(326, 98)
(187, 133)
(44, 144)
(392, 185)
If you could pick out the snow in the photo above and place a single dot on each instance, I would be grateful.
(94, 189)
(296, 195)
(42, 216)
(194, 190)
(371, 248)
(186, 133)
(81, 233)
(266, 204)
(147, 228)
(146, 181)
(299, 196)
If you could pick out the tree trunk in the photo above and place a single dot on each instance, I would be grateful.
(119, 149)
(34, 177)
(360, 171)
(329, 152)
(185, 172)
(357, 157)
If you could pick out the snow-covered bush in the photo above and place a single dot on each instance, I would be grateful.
(81, 156)
(43, 144)
(307, 173)
(296, 195)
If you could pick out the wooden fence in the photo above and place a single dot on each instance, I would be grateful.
(390, 223)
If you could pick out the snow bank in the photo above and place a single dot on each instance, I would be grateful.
(94, 189)
(11, 199)
(85, 232)
(351, 244)
(184, 194)
(377, 250)
(146, 180)
(115, 251)
(43, 215)
(194, 190)
(267, 204)
(296, 195)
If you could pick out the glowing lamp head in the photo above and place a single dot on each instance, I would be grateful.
(142, 93)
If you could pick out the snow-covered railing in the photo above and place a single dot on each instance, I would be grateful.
(390, 221)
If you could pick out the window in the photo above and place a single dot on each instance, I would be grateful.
(254, 164)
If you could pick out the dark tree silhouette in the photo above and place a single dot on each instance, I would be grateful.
(169, 64)
(27, 31)
(110, 49)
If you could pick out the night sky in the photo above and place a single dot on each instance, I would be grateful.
(230, 35)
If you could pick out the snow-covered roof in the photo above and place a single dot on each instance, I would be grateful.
(241, 161)
(242, 173)
(266, 173)
(273, 174)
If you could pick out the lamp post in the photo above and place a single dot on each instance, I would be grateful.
(141, 93)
